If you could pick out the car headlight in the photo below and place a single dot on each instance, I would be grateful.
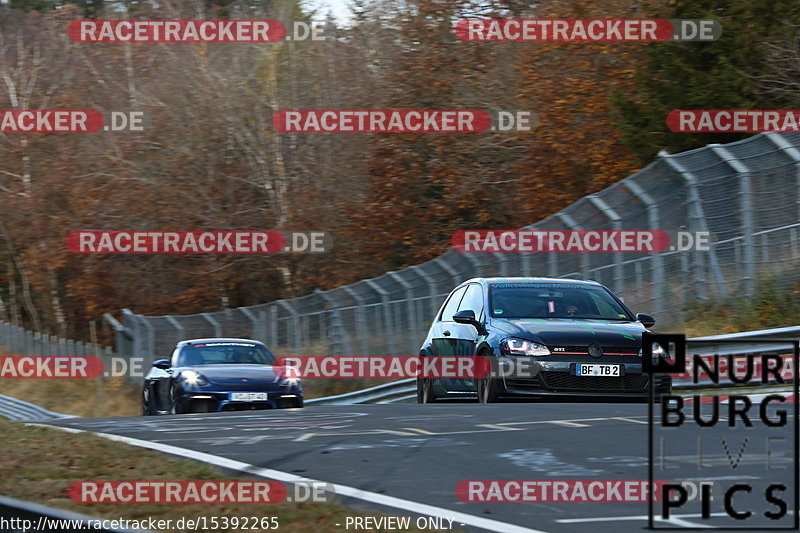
(523, 347)
(290, 382)
(193, 378)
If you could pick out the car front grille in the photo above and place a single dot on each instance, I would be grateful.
(246, 406)
(566, 381)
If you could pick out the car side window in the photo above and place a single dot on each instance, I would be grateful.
(473, 300)
(452, 305)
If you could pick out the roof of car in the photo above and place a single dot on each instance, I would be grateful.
(218, 339)
(489, 281)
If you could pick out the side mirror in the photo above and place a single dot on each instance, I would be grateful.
(646, 320)
(163, 364)
(467, 316)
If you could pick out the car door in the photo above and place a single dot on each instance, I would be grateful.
(460, 339)
(441, 330)
(162, 381)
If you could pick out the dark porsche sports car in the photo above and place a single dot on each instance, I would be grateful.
(208, 375)
(544, 337)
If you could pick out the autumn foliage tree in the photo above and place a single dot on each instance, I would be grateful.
(211, 158)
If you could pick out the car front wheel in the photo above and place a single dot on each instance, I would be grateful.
(425, 392)
(147, 409)
(487, 389)
(173, 402)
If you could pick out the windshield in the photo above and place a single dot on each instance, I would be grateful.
(220, 353)
(551, 300)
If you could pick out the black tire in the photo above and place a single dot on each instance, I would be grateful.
(487, 389)
(147, 408)
(173, 402)
(425, 392)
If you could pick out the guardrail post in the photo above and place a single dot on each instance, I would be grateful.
(214, 324)
(336, 327)
(780, 141)
(361, 320)
(616, 224)
(272, 339)
(178, 327)
(432, 294)
(656, 261)
(273, 325)
(502, 258)
(475, 264)
(150, 348)
(254, 327)
(295, 324)
(552, 266)
(37, 343)
(526, 256)
(19, 333)
(698, 218)
(389, 327)
(449, 270)
(135, 347)
(43, 348)
(570, 223)
(410, 310)
(746, 206)
(8, 336)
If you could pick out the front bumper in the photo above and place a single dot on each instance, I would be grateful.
(221, 401)
(556, 378)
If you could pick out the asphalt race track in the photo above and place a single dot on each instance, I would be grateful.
(421, 452)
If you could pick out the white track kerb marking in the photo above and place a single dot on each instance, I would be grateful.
(342, 490)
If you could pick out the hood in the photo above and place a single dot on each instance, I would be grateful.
(572, 332)
(233, 374)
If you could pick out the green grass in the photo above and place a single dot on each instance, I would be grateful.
(769, 308)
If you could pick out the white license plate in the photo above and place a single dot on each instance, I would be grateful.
(598, 370)
(249, 396)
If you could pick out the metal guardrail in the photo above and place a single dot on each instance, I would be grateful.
(379, 394)
(17, 516)
(17, 410)
(789, 332)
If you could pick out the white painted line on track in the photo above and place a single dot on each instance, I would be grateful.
(623, 419)
(502, 428)
(685, 523)
(342, 490)
(627, 518)
(676, 520)
(570, 424)
(421, 431)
